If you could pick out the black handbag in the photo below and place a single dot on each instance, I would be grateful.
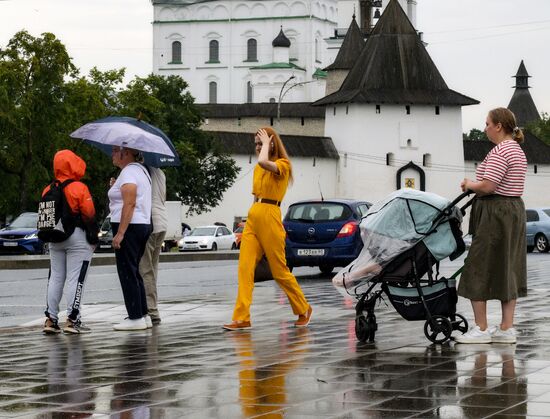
(262, 272)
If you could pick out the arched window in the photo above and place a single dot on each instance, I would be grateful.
(249, 98)
(214, 49)
(212, 92)
(252, 50)
(176, 52)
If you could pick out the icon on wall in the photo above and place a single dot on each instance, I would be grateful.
(409, 182)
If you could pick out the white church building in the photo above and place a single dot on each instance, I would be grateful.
(243, 51)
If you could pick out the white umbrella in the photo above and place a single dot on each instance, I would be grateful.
(123, 135)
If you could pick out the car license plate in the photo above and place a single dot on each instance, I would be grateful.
(10, 244)
(104, 246)
(310, 252)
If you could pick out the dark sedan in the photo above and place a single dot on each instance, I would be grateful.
(21, 236)
(324, 233)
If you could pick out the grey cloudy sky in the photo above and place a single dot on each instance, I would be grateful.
(476, 44)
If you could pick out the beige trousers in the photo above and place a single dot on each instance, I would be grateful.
(148, 268)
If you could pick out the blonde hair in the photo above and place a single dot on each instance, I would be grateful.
(279, 150)
(506, 118)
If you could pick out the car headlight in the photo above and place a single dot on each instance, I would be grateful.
(100, 234)
(31, 236)
(204, 241)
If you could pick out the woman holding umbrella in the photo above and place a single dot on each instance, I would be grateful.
(130, 206)
(129, 142)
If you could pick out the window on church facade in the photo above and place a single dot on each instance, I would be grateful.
(377, 108)
(389, 159)
(249, 98)
(176, 52)
(214, 52)
(427, 160)
(252, 50)
(212, 92)
(437, 110)
(408, 109)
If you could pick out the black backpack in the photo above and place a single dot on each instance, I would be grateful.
(56, 222)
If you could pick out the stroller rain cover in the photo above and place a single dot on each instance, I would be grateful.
(395, 225)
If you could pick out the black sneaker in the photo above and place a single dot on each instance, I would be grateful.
(51, 327)
(75, 327)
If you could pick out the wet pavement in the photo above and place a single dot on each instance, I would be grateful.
(188, 367)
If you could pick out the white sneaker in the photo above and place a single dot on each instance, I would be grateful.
(503, 336)
(475, 335)
(148, 321)
(128, 324)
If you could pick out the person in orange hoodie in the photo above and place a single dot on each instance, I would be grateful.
(70, 259)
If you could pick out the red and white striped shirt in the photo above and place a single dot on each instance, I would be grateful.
(506, 166)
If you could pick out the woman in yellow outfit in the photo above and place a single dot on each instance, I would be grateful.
(264, 232)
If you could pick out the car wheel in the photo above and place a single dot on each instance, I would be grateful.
(530, 249)
(214, 246)
(326, 269)
(541, 243)
(233, 246)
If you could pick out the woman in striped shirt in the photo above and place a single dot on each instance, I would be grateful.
(496, 267)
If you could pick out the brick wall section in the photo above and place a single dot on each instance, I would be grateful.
(289, 126)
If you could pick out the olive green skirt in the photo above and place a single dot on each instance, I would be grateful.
(496, 265)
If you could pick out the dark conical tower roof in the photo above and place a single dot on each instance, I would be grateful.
(351, 48)
(522, 103)
(394, 67)
(281, 40)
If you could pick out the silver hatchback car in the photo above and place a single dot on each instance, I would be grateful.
(538, 229)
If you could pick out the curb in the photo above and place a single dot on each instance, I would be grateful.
(102, 259)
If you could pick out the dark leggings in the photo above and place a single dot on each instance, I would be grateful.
(127, 264)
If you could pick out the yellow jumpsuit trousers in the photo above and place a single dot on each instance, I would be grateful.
(264, 234)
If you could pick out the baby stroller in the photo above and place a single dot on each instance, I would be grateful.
(405, 237)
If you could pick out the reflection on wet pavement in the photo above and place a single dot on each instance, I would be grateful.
(189, 367)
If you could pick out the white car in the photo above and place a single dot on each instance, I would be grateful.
(208, 238)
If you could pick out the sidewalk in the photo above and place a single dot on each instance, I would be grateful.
(101, 259)
(188, 367)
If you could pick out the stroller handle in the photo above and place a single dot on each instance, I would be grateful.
(461, 197)
(447, 211)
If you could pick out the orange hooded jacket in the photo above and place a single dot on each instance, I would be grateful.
(67, 165)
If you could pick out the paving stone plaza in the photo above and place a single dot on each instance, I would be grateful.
(189, 367)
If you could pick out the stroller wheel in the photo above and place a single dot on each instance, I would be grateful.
(361, 328)
(459, 323)
(438, 329)
(365, 328)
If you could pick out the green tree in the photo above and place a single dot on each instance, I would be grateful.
(541, 128)
(475, 135)
(32, 88)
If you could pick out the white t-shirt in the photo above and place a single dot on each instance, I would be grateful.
(160, 218)
(137, 174)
